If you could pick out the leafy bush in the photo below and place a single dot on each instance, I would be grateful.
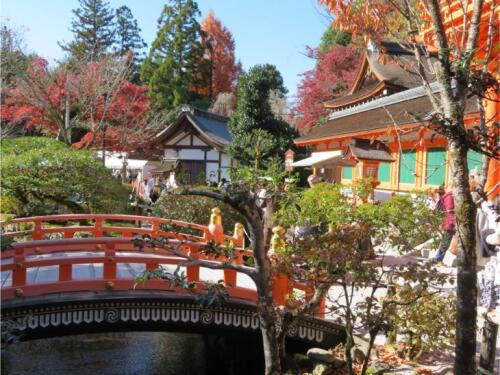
(409, 214)
(425, 325)
(404, 221)
(195, 209)
(42, 176)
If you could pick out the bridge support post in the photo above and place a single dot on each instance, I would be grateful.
(217, 235)
(37, 231)
(19, 272)
(319, 312)
(230, 276)
(98, 227)
(281, 287)
(109, 272)
(155, 226)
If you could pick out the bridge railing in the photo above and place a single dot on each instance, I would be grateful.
(65, 243)
(102, 225)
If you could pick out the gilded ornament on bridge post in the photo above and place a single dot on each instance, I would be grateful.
(216, 217)
(277, 240)
(238, 230)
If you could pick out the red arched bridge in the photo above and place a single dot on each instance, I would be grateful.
(67, 274)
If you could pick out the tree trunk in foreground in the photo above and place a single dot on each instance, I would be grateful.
(465, 214)
(271, 346)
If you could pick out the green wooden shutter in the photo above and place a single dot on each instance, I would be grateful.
(436, 168)
(474, 160)
(407, 167)
(347, 173)
(384, 172)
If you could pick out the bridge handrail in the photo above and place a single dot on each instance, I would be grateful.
(118, 217)
(39, 247)
(111, 247)
(99, 227)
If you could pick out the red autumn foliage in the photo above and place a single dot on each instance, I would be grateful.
(126, 116)
(332, 76)
(101, 101)
(225, 68)
(30, 103)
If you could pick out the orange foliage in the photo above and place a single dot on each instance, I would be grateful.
(225, 69)
(376, 19)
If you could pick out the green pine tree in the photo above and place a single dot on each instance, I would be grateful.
(93, 29)
(175, 68)
(333, 36)
(254, 118)
(128, 39)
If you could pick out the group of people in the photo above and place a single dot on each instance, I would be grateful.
(149, 190)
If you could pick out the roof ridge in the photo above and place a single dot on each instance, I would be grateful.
(398, 97)
(198, 111)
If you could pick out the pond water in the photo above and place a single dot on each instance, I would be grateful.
(165, 353)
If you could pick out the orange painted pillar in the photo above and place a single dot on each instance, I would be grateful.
(217, 235)
(19, 272)
(238, 241)
(37, 231)
(155, 228)
(320, 310)
(98, 227)
(109, 269)
(281, 286)
(491, 109)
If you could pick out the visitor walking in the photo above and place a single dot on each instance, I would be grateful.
(445, 204)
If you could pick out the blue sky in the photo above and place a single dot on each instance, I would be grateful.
(265, 31)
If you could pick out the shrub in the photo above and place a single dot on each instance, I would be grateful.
(425, 325)
(41, 176)
(195, 209)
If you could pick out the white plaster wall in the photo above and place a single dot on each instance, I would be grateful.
(198, 142)
(177, 138)
(185, 142)
(170, 154)
(224, 173)
(226, 160)
(189, 154)
(212, 172)
(213, 155)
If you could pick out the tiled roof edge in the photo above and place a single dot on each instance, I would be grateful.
(200, 112)
(399, 97)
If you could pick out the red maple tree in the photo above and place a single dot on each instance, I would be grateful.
(34, 101)
(95, 97)
(225, 70)
(333, 74)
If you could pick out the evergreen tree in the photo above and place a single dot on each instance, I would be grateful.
(175, 68)
(254, 118)
(333, 37)
(128, 39)
(93, 29)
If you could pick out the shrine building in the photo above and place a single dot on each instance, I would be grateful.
(376, 129)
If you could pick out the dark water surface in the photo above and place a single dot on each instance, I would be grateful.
(136, 353)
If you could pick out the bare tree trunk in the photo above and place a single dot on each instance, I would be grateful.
(103, 147)
(67, 129)
(124, 167)
(271, 345)
(465, 213)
